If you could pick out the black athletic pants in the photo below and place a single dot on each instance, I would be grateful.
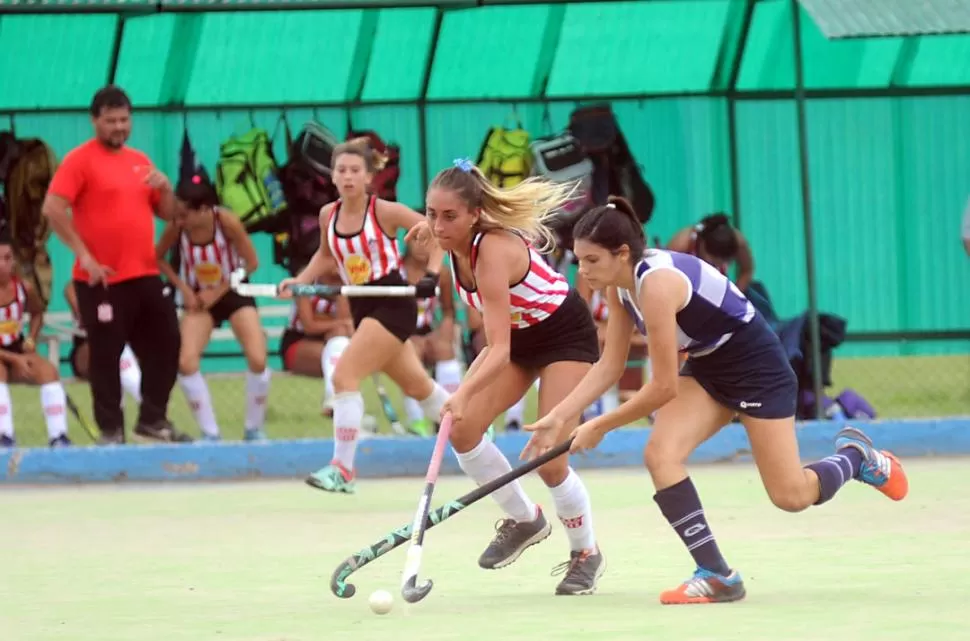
(136, 312)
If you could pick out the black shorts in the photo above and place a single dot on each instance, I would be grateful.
(17, 347)
(78, 343)
(750, 373)
(398, 315)
(230, 303)
(569, 334)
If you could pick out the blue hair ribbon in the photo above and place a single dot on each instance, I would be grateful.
(465, 164)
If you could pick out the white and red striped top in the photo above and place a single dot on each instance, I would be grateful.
(321, 307)
(599, 307)
(209, 265)
(364, 256)
(12, 315)
(532, 300)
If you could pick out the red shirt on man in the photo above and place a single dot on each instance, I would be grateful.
(112, 207)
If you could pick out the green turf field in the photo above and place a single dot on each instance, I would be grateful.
(897, 387)
(252, 561)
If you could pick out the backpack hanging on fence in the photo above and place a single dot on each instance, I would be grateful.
(561, 159)
(616, 170)
(308, 186)
(505, 158)
(246, 179)
(384, 183)
(30, 167)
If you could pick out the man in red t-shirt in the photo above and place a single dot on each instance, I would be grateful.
(114, 192)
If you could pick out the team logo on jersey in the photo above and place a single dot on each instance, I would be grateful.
(208, 274)
(358, 269)
(517, 317)
(9, 327)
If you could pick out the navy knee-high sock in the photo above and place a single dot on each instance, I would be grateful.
(681, 506)
(835, 471)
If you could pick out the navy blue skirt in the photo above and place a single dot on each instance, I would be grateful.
(749, 374)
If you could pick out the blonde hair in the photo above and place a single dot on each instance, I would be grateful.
(525, 208)
(373, 159)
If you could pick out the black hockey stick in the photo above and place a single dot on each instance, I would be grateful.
(400, 536)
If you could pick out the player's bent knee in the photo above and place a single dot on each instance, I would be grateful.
(554, 472)
(345, 381)
(256, 362)
(419, 388)
(789, 497)
(45, 372)
(189, 365)
(658, 454)
(465, 437)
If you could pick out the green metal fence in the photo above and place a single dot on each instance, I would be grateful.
(705, 91)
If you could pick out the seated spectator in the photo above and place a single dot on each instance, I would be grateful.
(715, 241)
(19, 360)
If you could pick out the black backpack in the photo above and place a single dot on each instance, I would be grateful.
(308, 185)
(616, 171)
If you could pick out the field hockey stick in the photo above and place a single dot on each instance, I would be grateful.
(388, 409)
(400, 536)
(92, 431)
(410, 590)
(326, 291)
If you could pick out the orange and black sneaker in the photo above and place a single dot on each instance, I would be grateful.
(880, 469)
(706, 587)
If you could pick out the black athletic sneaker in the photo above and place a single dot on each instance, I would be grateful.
(117, 438)
(161, 431)
(60, 441)
(583, 570)
(511, 540)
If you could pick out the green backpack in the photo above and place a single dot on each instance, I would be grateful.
(247, 181)
(505, 157)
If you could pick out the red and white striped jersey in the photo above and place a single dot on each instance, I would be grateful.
(532, 300)
(12, 315)
(207, 266)
(321, 307)
(599, 307)
(366, 255)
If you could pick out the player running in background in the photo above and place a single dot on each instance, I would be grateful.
(434, 342)
(19, 360)
(536, 326)
(212, 244)
(359, 232)
(318, 333)
(735, 365)
(80, 356)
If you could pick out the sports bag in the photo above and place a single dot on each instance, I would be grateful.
(246, 179)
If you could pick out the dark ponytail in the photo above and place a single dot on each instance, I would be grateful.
(717, 236)
(611, 226)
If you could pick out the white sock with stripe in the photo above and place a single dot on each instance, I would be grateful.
(484, 463)
(574, 512)
(348, 414)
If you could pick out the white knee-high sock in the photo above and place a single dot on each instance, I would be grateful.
(348, 413)
(328, 360)
(448, 374)
(484, 463)
(130, 374)
(573, 510)
(6, 411)
(197, 394)
(413, 409)
(54, 403)
(257, 389)
(432, 405)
